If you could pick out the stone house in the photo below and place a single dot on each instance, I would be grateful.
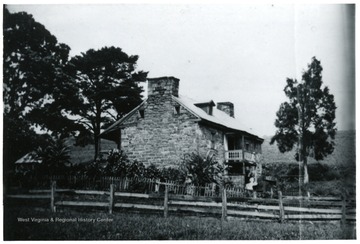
(166, 126)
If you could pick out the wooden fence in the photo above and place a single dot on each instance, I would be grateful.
(175, 199)
(134, 185)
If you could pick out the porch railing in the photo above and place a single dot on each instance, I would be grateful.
(238, 155)
(234, 155)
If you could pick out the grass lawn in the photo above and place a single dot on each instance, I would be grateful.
(81, 225)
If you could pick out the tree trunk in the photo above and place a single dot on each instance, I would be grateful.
(97, 128)
(306, 174)
(224, 203)
(96, 145)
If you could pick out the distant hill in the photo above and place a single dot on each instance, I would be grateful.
(344, 152)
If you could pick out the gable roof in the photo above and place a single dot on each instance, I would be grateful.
(218, 117)
(106, 134)
(29, 158)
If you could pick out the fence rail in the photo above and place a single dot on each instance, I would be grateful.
(142, 185)
(173, 200)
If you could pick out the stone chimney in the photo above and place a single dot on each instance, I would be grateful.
(163, 86)
(226, 107)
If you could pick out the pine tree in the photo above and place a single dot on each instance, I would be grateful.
(108, 89)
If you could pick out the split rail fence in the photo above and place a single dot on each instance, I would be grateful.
(170, 198)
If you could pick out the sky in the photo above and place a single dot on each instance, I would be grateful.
(221, 52)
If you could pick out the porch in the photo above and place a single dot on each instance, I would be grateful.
(240, 155)
(242, 147)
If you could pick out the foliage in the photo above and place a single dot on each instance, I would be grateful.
(196, 168)
(152, 172)
(201, 170)
(333, 188)
(172, 174)
(317, 171)
(33, 64)
(309, 114)
(43, 89)
(55, 157)
(107, 89)
(34, 72)
(116, 163)
(18, 140)
(135, 169)
(325, 179)
(55, 160)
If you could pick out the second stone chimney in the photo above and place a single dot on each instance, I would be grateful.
(226, 107)
(163, 86)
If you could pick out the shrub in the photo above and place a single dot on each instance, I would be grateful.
(172, 174)
(116, 163)
(152, 172)
(331, 188)
(199, 169)
(55, 157)
(135, 169)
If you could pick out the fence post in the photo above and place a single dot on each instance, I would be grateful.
(281, 208)
(224, 204)
(52, 201)
(111, 198)
(166, 201)
(343, 210)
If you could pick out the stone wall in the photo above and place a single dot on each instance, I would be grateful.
(163, 137)
(167, 131)
(212, 139)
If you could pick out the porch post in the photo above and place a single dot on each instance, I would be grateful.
(225, 147)
(243, 145)
(243, 152)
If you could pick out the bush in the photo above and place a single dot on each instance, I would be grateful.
(172, 174)
(117, 163)
(201, 170)
(331, 188)
(152, 172)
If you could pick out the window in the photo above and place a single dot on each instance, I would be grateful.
(210, 110)
(247, 146)
(142, 114)
(212, 143)
(207, 106)
(177, 109)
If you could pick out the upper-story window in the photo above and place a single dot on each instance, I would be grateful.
(212, 141)
(247, 146)
(177, 109)
(142, 113)
(207, 107)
